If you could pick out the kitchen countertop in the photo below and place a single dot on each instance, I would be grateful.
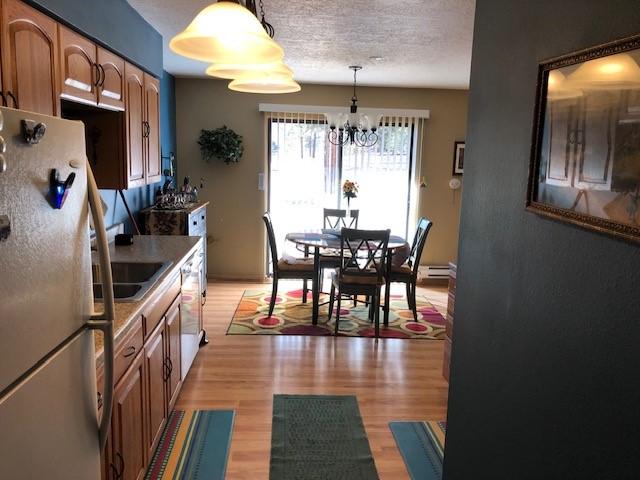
(145, 248)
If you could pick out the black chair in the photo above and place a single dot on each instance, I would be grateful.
(362, 269)
(295, 268)
(408, 272)
(335, 218)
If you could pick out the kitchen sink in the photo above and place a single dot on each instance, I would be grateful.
(131, 280)
(120, 290)
(131, 272)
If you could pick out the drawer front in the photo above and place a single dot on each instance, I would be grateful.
(154, 312)
(128, 349)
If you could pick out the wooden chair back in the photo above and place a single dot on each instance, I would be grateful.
(336, 218)
(363, 253)
(419, 240)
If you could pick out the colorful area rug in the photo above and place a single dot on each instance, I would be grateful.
(194, 445)
(422, 447)
(292, 317)
(319, 437)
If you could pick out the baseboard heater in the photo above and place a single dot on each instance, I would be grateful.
(433, 272)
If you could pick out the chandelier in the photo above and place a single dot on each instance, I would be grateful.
(353, 129)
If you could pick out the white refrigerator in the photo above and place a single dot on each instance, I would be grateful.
(50, 427)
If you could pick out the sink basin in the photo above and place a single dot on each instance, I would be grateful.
(120, 290)
(131, 280)
(131, 272)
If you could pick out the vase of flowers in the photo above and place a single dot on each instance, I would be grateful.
(349, 191)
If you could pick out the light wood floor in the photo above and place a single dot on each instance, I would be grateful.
(393, 380)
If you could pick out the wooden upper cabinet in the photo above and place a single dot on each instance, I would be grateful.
(134, 102)
(78, 69)
(111, 86)
(30, 67)
(152, 126)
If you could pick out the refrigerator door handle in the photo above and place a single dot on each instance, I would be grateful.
(104, 321)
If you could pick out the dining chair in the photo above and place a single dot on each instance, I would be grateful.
(336, 218)
(291, 268)
(363, 254)
(407, 273)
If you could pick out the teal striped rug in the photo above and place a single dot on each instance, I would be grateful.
(194, 446)
(422, 447)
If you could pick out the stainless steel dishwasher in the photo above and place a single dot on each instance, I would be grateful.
(190, 310)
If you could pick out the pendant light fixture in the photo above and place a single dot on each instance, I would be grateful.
(355, 129)
(228, 33)
(240, 47)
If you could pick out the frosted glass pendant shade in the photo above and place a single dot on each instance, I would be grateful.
(615, 71)
(264, 83)
(232, 71)
(226, 33)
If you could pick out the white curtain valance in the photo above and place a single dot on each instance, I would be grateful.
(330, 111)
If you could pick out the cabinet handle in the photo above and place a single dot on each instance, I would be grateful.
(121, 470)
(102, 75)
(4, 99)
(165, 370)
(202, 217)
(170, 366)
(114, 472)
(100, 402)
(148, 129)
(131, 350)
(96, 82)
(15, 100)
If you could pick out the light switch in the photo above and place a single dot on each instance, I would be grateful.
(261, 182)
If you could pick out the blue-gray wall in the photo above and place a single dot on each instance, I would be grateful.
(546, 357)
(118, 27)
(114, 24)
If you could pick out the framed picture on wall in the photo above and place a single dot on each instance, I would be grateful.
(585, 160)
(458, 158)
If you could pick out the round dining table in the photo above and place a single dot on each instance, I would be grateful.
(319, 240)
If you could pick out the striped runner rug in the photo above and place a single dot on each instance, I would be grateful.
(194, 445)
(422, 447)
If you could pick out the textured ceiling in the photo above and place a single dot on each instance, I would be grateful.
(424, 43)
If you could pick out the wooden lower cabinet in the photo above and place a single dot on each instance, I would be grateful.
(156, 409)
(129, 456)
(143, 397)
(174, 380)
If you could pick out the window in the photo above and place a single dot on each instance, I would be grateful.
(306, 173)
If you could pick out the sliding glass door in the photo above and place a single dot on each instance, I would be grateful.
(306, 173)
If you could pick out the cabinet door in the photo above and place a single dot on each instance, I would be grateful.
(152, 119)
(30, 58)
(173, 353)
(77, 67)
(134, 98)
(128, 425)
(157, 372)
(111, 88)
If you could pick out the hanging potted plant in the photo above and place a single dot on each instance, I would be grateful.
(221, 143)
